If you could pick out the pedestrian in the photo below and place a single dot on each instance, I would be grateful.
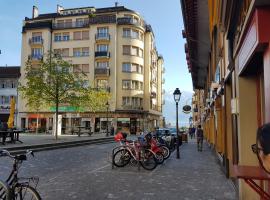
(112, 130)
(262, 146)
(193, 132)
(199, 134)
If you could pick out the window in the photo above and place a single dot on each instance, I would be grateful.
(126, 32)
(103, 31)
(5, 99)
(76, 52)
(102, 83)
(135, 34)
(126, 101)
(141, 53)
(102, 64)
(65, 52)
(126, 84)
(57, 37)
(3, 84)
(13, 84)
(77, 35)
(126, 50)
(80, 22)
(76, 68)
(37, 37)
(65, 36)
(126, 67)
(68, 23)
(85, 68)
(85, 35)
(85, 51)
(36, 53)
(102, 47)
(134, 67)
(134, 51)
(57, 52)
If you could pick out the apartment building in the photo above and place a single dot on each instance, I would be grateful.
(228, 58)
(115, 48)
(9, 76)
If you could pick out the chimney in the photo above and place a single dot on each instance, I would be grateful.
(116, 4)
(59, 9)
(35, 12)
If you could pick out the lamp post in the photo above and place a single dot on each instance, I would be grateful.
(107, 127)
(176, 96)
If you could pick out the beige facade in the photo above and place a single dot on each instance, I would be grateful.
(115, 48)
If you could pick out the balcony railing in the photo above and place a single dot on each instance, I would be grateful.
(102, 71)
(132, 107)
(153, 94)
(129, 21)
(70, 25)
(163, 81)
(102, 54)
(35, 57)
(102, 36)
(36, 40)
(108, 89)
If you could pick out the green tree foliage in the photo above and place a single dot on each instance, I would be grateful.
(52, 83)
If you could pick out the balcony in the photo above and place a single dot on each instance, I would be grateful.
(36, 40)
(37, 57)
(153, 95)
(102, 72)
(132, 107)
(70, 25)
(163, 81)
(102, 54)
(102, 36)
(129, 21)
(108, 89)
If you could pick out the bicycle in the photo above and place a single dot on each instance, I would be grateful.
(18, 188)
(132, 152)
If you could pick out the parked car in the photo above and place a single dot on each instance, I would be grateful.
(165, 136)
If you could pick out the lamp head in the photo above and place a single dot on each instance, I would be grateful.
(176, 95)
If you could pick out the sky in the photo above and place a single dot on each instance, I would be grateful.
(164, 17)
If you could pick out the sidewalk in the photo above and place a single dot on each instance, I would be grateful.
(197, 175)
(46, 141)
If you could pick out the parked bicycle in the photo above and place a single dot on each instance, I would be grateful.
(133, 152)
(15, 187)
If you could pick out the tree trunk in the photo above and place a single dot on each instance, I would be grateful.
(56, 119)
(37, 125)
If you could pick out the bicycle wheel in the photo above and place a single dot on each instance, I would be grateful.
(121, 158)
(160, 157)
(26, 192)
(149, 161)
(166, 152)
(4, 191)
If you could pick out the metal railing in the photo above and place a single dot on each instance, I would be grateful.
(102, 71)
(35, 57)
(102, 54)
(129, 21)
(102, 36)
(70, 25)
(36, 40)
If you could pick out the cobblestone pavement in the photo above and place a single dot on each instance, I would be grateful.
(85, 173)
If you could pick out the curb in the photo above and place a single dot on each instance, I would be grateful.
(57, 145)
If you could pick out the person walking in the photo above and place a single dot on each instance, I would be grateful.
(199, 134)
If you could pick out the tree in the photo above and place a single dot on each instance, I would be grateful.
(52, 82)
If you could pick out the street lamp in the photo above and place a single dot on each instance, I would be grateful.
(107, 128)
(176, 96)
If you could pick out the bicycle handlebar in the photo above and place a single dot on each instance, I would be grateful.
(16, 157)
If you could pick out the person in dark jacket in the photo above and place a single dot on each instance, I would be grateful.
(199, 134)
